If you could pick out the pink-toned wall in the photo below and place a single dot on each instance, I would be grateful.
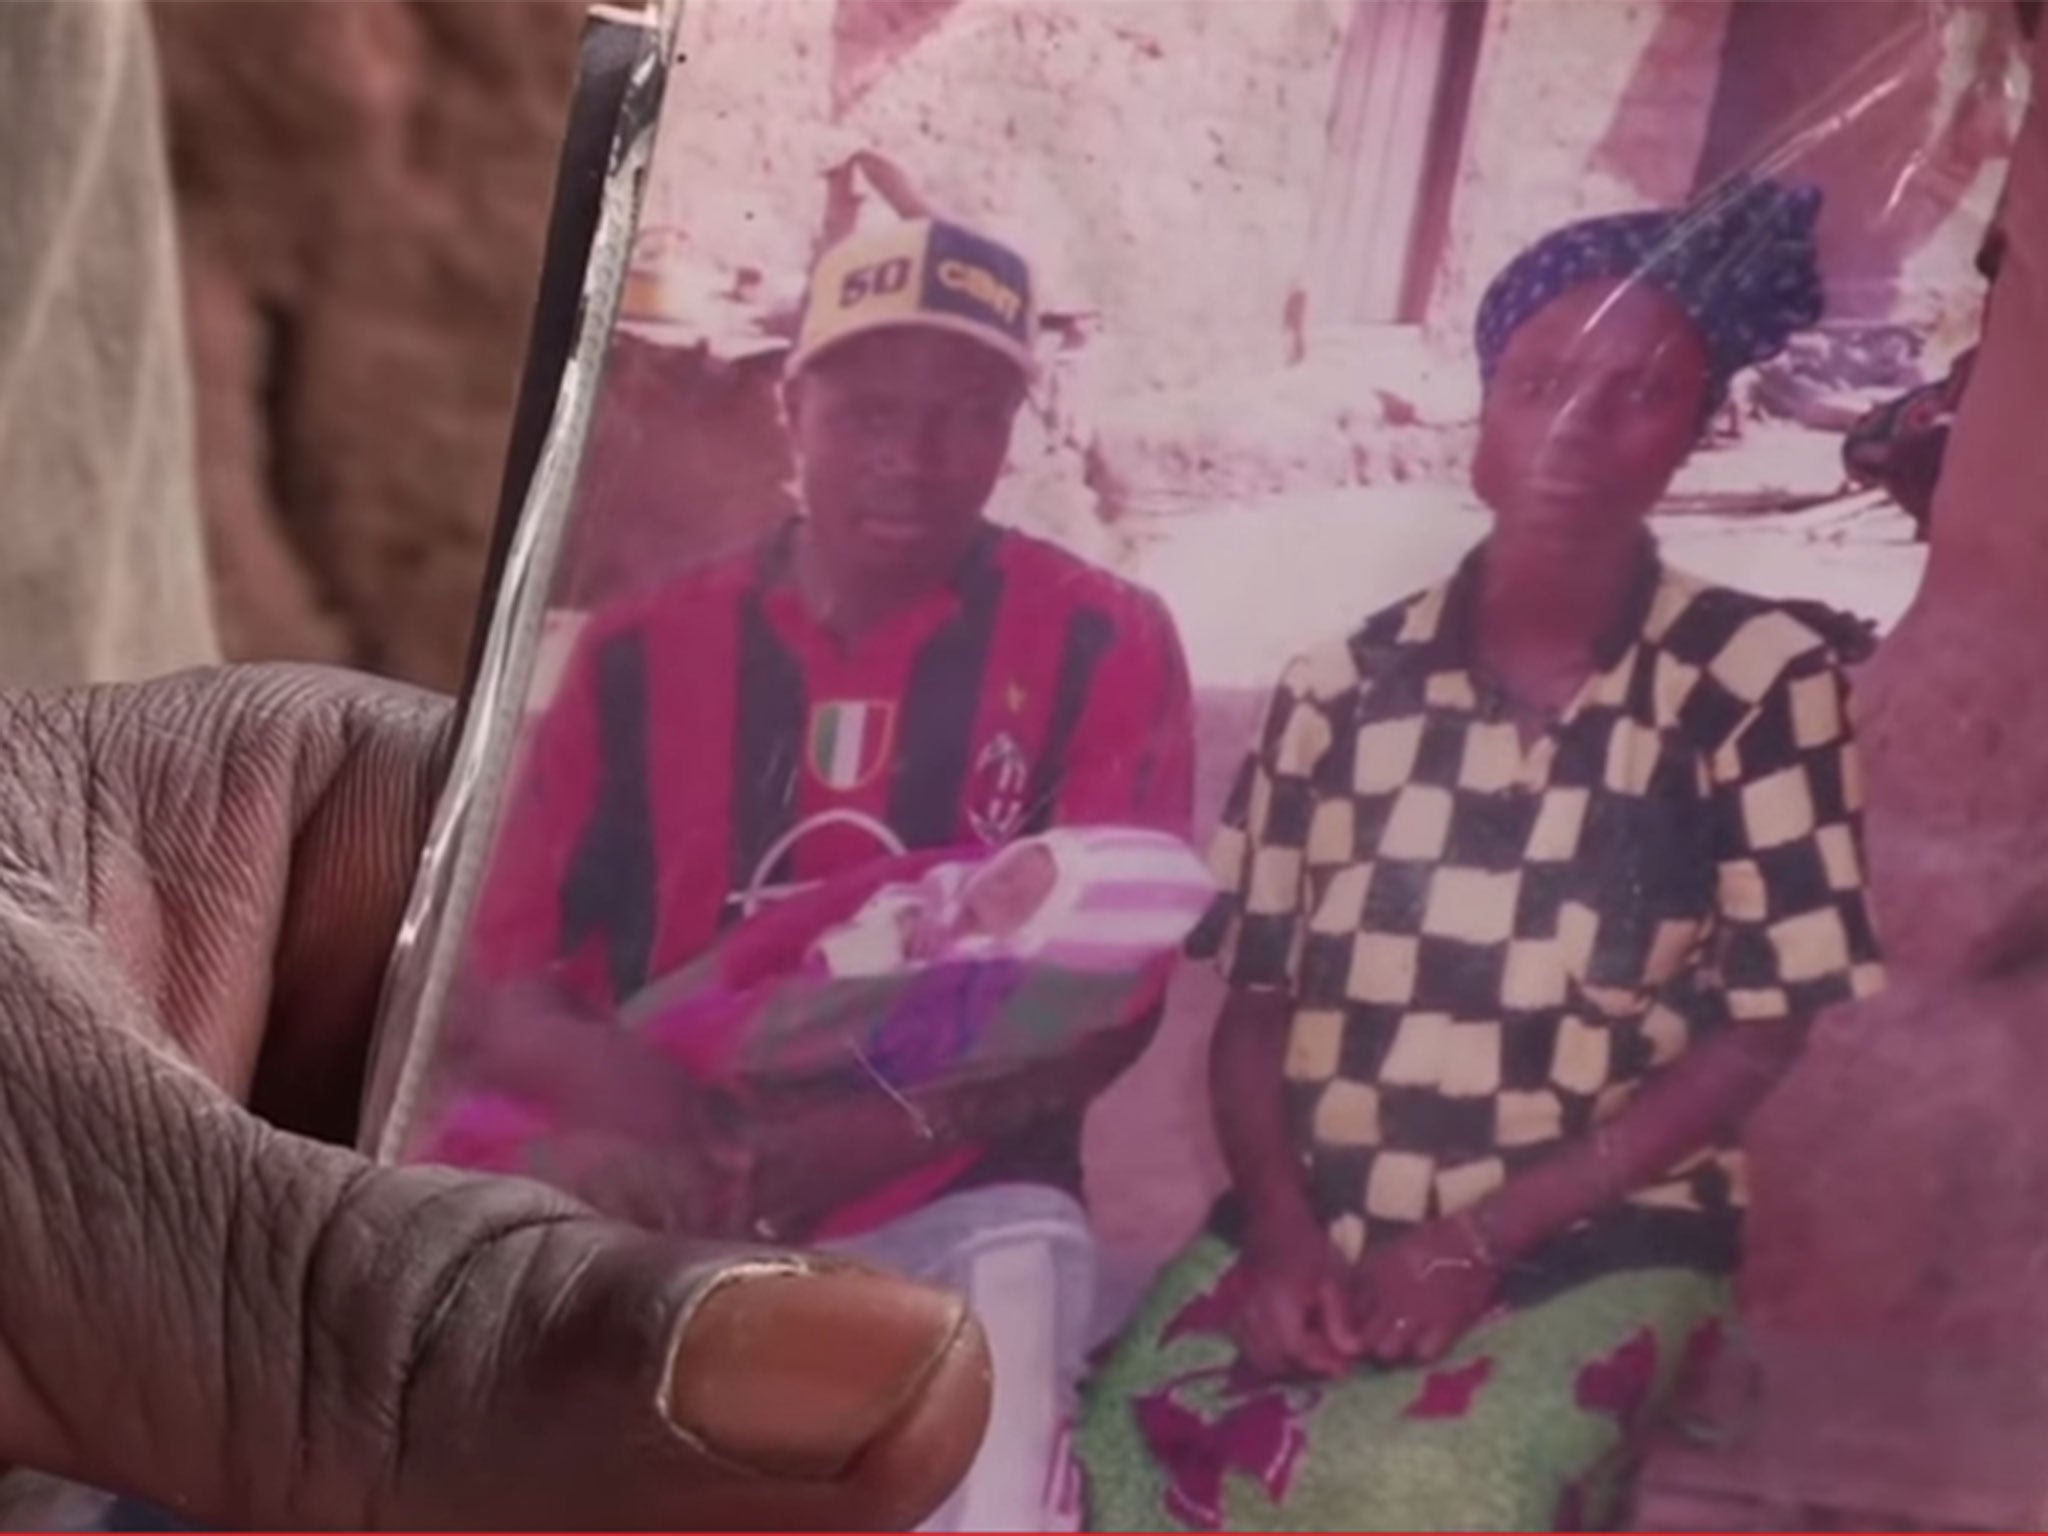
(1583, 110)
(364, 188)
(1156, 158)
(1900, 111)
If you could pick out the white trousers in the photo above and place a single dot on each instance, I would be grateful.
(1022, 1256)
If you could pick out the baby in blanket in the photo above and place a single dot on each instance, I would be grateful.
(928, 967)
(1089, 899)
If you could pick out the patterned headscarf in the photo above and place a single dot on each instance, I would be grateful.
(1741, 264)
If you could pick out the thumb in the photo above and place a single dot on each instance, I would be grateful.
(259, 1331)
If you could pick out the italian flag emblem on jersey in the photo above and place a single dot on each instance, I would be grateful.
(850, 741)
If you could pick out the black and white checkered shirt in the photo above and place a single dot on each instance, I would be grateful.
(1489, 946)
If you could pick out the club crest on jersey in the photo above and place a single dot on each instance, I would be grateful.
(1000, 779)
(849, 741)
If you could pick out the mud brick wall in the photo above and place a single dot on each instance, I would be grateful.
(1587, 110)
(364, 189)
(1156, 158)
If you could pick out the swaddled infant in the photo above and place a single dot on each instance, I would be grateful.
(1079, 898)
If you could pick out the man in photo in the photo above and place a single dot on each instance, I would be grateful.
(889, 672)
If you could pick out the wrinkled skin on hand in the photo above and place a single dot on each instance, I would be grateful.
(204, 1305)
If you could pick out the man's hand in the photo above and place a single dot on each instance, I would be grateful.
(199, 883)
(1293, 1316)
(1419, 1295)
(614, 1119)
(816, 1152)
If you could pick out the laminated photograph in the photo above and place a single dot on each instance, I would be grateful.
(1192, 666)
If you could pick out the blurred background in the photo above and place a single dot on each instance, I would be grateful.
(364, 189)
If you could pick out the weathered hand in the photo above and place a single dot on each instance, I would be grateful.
(207, 1307)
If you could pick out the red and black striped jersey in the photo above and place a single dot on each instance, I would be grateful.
(711, 744)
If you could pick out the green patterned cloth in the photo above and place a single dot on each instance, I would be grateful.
(1529, 1424)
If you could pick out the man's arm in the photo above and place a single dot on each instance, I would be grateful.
(554, 785)
(813, 1155)
(1134, 754)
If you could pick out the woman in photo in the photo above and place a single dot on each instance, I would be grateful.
(1533, 884)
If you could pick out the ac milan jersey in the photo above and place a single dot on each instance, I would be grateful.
(712, 745)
